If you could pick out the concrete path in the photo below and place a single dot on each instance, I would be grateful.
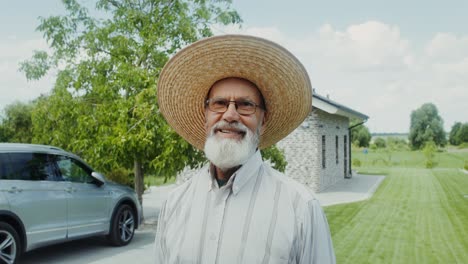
(358, 188)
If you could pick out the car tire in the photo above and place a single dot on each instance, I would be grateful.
(10, 246)
(122, 226)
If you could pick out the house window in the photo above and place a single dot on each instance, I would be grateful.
(345, 161)
(336, 149)
(323, 152)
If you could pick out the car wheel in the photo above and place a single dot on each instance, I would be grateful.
(10, 247)
(122, 226)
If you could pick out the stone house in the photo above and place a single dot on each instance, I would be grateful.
(318, 152)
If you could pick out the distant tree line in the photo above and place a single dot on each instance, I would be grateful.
(426, 127)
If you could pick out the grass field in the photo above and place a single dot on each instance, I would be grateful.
(417, 215)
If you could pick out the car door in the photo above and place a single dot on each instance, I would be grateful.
(29, 184)
(89, 202)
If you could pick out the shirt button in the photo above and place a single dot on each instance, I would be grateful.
(213, 237)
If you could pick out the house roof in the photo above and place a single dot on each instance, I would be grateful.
(332, 107)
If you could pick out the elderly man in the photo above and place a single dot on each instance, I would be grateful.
(231, 96)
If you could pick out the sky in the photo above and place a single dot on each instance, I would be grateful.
(381, 58)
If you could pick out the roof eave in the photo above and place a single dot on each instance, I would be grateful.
(336, 109)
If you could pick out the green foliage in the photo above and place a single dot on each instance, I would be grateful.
(104, 103)
(360, 136)
(379, 160)
(465, 166)
(276, 157)
(16, 125)
(426, 125)
(158, 181)
(458, 134)
(356, 162)
(463, 145)
(395, 143)
(453, 132)
(429, 152)
(122, 176)
(380, 143)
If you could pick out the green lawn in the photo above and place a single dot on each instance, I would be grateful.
(416, 216)
(408, 159)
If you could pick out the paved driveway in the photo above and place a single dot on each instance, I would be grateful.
(98, 251)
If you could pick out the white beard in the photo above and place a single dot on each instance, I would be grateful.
(227, 153)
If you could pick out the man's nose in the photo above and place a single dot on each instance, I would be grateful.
(231, 113)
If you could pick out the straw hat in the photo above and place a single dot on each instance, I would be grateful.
(187, 77)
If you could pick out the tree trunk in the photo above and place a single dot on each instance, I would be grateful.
(139, 183)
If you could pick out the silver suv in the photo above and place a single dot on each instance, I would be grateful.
(50, 196)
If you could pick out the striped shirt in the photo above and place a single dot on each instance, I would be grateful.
(259, 216)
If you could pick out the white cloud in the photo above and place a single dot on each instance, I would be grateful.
(13, 84)
(446, 47)
(372, 68)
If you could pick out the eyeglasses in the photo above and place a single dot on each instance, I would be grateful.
(243, 107)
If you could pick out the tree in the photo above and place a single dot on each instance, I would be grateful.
(16, 124)
(462, 134)
(453, 134)
(426, 125)
(104, 104)
(458, 134)
(361, 136)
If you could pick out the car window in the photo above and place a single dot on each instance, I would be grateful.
(3, 165)
(27, 166)
(73, 170)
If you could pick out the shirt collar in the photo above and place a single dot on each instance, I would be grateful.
(240, 178)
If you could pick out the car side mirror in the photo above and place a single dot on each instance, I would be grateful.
(99, 177)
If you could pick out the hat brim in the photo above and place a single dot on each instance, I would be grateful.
(187, 77)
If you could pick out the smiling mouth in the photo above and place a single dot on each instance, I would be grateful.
(230, 132)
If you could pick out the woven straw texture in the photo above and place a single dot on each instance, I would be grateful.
(187, 77)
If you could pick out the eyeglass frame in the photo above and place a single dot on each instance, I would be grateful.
(236, 102)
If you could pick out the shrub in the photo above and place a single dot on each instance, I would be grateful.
(356, 162)
(380, 143)
(429, 152)
(430, 164)
(463, 145)
(466, 165)
(396, 143)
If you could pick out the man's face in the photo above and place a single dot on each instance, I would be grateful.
(234, 89)
(233, 135)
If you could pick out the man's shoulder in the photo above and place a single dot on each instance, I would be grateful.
(184, 187)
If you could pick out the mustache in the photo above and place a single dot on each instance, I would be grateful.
(225, 125)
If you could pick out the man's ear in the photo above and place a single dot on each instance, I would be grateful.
(264, 121)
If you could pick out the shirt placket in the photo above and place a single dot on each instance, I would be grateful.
(215, 223)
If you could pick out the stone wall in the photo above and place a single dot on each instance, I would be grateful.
(303, 150)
